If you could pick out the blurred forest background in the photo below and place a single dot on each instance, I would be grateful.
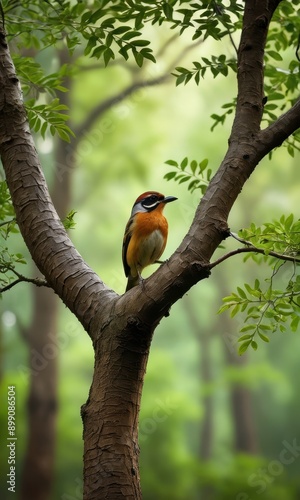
(213, 425)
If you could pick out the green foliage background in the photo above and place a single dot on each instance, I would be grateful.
(123, 155)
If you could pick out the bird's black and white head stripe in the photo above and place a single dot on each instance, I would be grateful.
(148, 201)
(151, 201)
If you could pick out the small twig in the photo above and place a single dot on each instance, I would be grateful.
(297, 49)
(251, 248)
(21, 278)
(232, 42)
(7, 222)
(241, 240)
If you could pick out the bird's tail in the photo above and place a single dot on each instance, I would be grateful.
(132, 281)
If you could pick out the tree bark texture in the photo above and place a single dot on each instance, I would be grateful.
(121, 327)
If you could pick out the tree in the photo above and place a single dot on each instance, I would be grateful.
(121, 327)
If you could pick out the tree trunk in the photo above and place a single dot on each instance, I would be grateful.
(110, 416)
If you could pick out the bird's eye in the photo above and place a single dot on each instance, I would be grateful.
(151, 202)
(153, 198)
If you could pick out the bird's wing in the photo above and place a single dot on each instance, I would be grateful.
(126, 240)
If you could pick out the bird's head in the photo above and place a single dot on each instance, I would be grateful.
(151, 200)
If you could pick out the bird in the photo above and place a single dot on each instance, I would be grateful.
(145, 235)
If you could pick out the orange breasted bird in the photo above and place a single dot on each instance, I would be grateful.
(145, 235)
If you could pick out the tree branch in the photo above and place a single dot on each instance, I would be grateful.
(21, 278)
(107, 104)
(253, 249)
(250, 69)
(280, 130)
(7, 222)
(113, 100)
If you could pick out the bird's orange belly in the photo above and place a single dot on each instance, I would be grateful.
(150, 249)
(145, 251)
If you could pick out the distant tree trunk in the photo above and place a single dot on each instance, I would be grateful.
(38, 468)
(205, 377)
(242, 409)
(207, 430)
(245, 434)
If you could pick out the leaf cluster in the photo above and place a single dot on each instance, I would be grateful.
(110, 27)
(281, 236)
(274, 305)
(7, 214)
(33, 79)
(105, 27)
(195, 173)
(8, 226)
(217, 65)
(43, 117)
(69, 222)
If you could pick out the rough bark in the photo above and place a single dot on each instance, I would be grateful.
(110, 416)
(121, 327)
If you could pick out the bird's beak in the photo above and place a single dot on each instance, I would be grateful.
(168, 199)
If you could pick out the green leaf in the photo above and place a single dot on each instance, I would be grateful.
(245, 337)
(169, 175)
(264, 337)
(168, 10)
(173, 163)
(247, 328)
(235, 310)
(108, 55)
(274, 55)
(184, 163)
(140, 43)
(180, 79)
(241, 293)
(193, 166)
(243, 347)
(95, 16)
(69, 222)
(254, 345)
(138, 57)
(203, 164)
(184, 179)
